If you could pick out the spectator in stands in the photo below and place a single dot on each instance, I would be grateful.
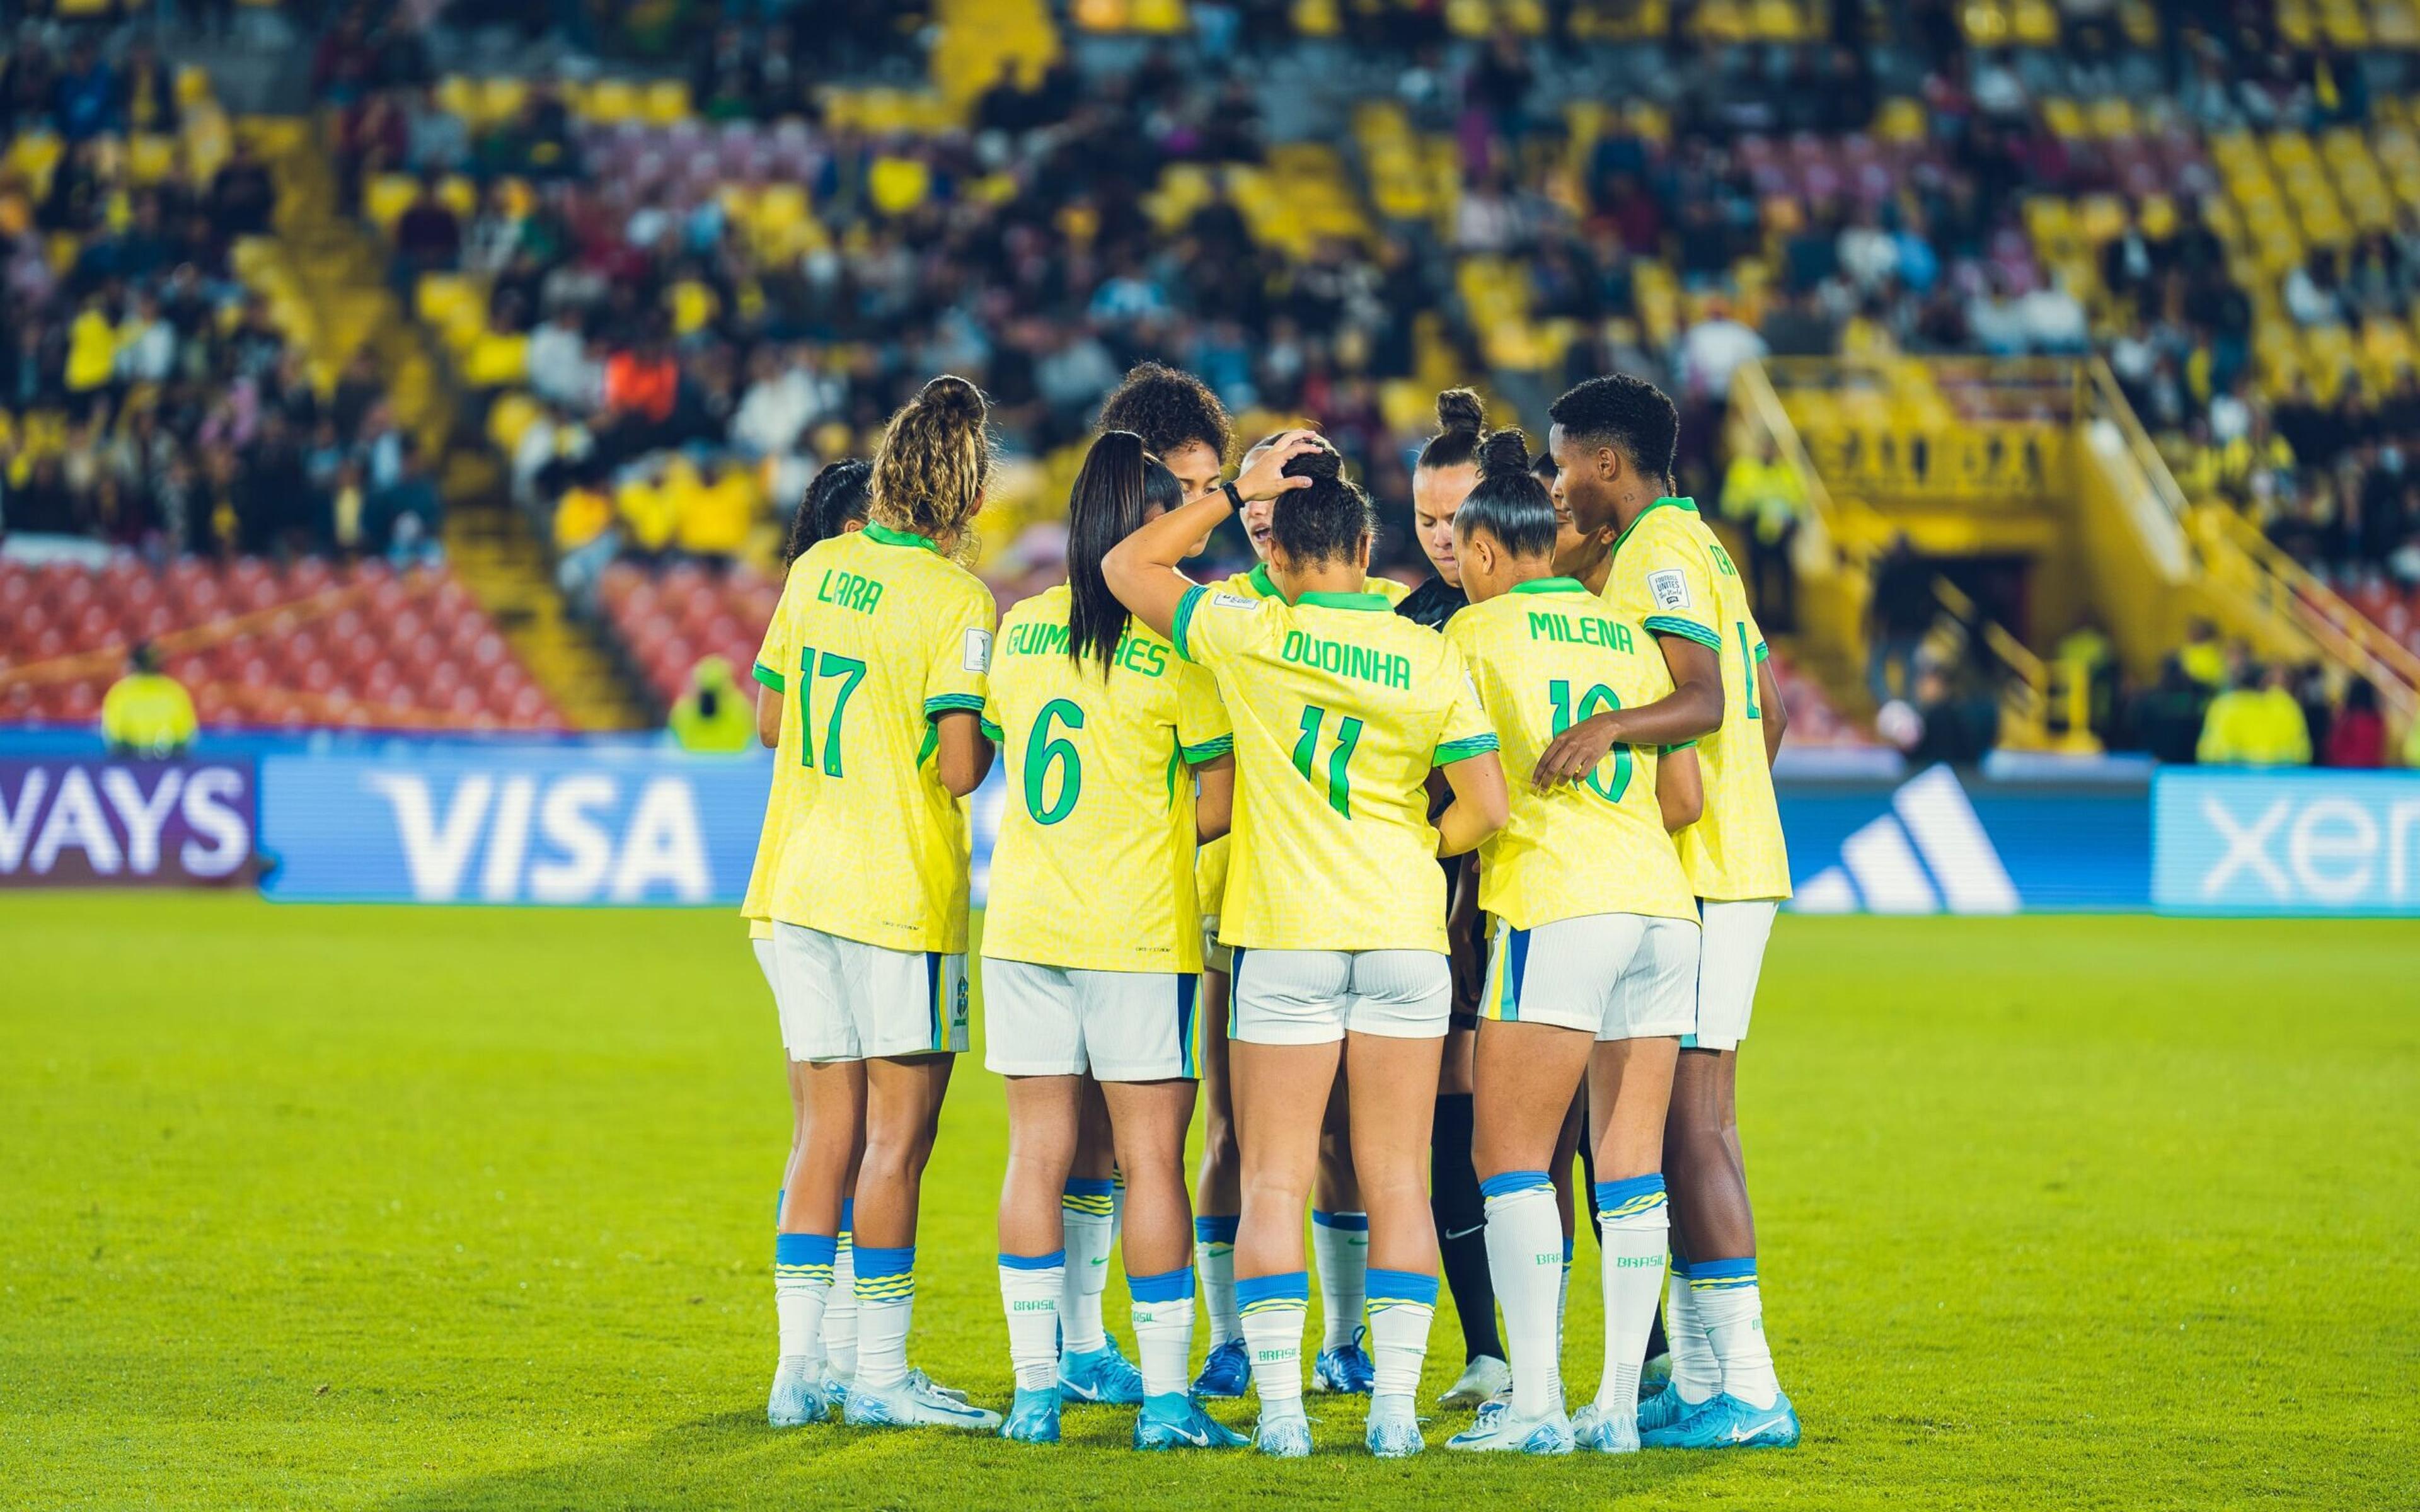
(146, 714)
(1901, 610)
(1762, 497)
(2166, 719)
(243, 196)
(409, 515)
(2357, 737)
(2255, 723)
(428, 236)
(2204, 657)
(712, 714)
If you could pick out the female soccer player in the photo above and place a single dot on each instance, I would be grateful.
(834, 503)
(1091, 945)
(1340, 1229)
(1442, 478)
(1595, 956)
(1337, 916)
(881, 658)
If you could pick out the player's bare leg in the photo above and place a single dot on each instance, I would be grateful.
(1525, 1076)
(1340, 1239)
(830, 1101)
(1090, 1369)
(1281, 1091)
(1394, 1083)
(1629, 1088)
(1043, 1118)
(1217, 1201)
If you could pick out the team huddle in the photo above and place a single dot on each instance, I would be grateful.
(1422, 894)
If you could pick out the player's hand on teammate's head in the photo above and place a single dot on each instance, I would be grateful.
(1266, 478)
(1570, 756)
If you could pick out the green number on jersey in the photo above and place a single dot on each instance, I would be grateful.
(1348, 736)
(1042, 751)
(1747, 666)
(1594, 701)
(852, 672)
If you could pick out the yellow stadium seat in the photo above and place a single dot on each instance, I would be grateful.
(460, 195)
(192, 84)
(500, 98)
(387, 196)
(439, 295)
(496, 360)
(1163, 18)
(613, 99)
(150, 158)
(1100, 15)
(508, 418)
(1900, 119)
(667, 101)
(1317, 18)
(459, 93)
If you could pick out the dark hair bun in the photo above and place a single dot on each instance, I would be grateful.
(1459, 409)
(1504, 454)
(953, 395)
(1321, 464)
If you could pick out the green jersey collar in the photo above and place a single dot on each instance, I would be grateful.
(1688, 504)
(1551, 585)
(1262, 582)
(887, 536)
(1366, 602)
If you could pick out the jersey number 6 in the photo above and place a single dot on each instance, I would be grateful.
(1042, 751)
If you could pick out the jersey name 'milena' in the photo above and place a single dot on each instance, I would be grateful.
(1144, 655)
(1385, 668)
(1584, 630)
(847, 590)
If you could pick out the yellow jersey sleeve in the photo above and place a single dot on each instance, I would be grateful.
(1213, 624)
(1203, 731)
(1663, 579)
(960, 660)
(1466, 732)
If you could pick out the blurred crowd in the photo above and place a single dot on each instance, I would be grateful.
(146, 399)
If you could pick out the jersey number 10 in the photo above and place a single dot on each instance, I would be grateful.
(1596, 700)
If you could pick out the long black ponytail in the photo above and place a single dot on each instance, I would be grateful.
(1121, 485)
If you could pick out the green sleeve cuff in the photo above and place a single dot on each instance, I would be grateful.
(771, 678)
(1209, 750)
(1686, 630)
(1686, 744)
(1185, 607)
(1764, 651)
(991, 732)
(1463, 750)
(953, 703)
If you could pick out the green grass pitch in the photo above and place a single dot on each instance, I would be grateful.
(339, 1208)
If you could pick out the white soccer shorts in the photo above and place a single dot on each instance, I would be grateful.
(1119, 1025)
(1730, 957)
(764, 950)
(1318, 996)
(1614, 976)
(845, 999)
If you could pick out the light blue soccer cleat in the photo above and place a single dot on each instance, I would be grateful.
(800, 1394)
(1393, 1428)
(1286, 1436)
(1033, 1417)
(1725, 1422)
(1606, 1433)
(916, 1377)
(1174, 1421)
(1664, 1409)
(1654, 1375)
(1481, 1381)
(1226, 1373)
(1101, 1375)
(913, 1404)
(1499, 1428)
(1344, 1368)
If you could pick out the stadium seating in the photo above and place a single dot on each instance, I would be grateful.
(258, 645)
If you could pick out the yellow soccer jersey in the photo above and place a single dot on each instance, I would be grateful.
(1670, 575)
(781, 800)
(876, 634)
(1341, 708)
(1210, 870)
(1546, 656)
(1094, 868)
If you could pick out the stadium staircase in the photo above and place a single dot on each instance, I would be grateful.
(2041, 460)
(330, 277)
